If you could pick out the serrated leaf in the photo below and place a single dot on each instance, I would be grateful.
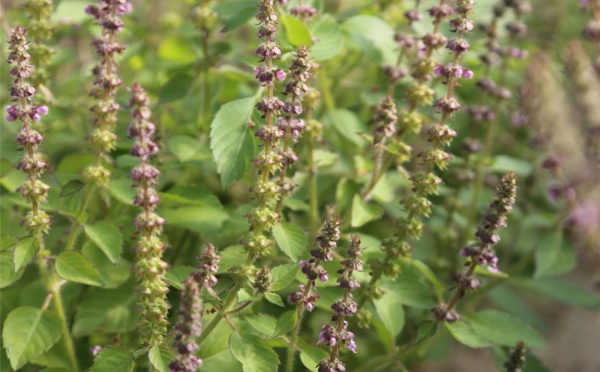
(329, 38)
(254, 354)
(464, 333)
(113, 359)
(311, 357)
(274, 298)
(283, 275)
(177, 274)
(222, 361)
(75, 267)
(295, 31)
(28, 332)
(390, 311)
(113, 275)
(7, 270)
(285, 323)
(291, 240)
(24, 252)
(263, 323)
(160, 356)
(106, 237)
(106, 310)
(121, 191)
(231, 140)
(7, 242)
(504, 329)
(175, 88)
(72, 187)
(363, 213)
(554, 255)
(239, 19)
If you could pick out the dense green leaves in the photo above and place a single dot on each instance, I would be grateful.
(106, 237)
(240, 19)
(263, 323)
(390, 311)
(363, 213)
(113, 275)
(291, 240)
(8, 275)
(113, 359)
(75, 267)
(373, 36)
(160, 356)
(24, 252)
(285, 323)
(28, 332)
(283, 276)
(554, 255)
(463, 332)
(295, 31)
(347, 125)
(330, 40)
(231, 140)
(254, 354)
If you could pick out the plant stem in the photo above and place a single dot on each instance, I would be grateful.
(312, 174)
(291, 352)
(53, 287)
(75, 225)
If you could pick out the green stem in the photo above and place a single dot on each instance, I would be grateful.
(313, 195)
(291, 352)
(222, 312)
(53, 287)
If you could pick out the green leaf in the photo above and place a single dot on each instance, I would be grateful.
(28, 332)
(106, 237)
(231, 140)
(410, 290)
(160, 356)
(324, 159)
(374, 36)
(121, 191)
(502, 164)
(311, 357)
(274, 298)
(329, 38)
(113, 359)
(429, 275)
(390, 311)
(426, 330)
(285, 323)
(177, 274)
(7, 242)
(562, 291)
(263, 323)
(464, 333)
(7, 270)
(283, 276)
(239, 19)
(346, 123)
(72, 187)
(71, 166)
(75, 267)
(177, 50)
(363, 213)
(554, 255)
(24, 252)
(222, 361)
(186, 148)
(291, 240)
(191, 195)
(504, 329)
(175, 88)
(113, 275)
(196, 218)
(295, 31)
(108, 310)
(231, 257)
(254, 354)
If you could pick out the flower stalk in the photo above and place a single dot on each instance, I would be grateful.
(149, 268)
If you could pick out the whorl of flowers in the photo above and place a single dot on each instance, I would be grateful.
(338, 334)
(427, 182)
(326, 240)
(482, 253)
(32, 163)
(291, 124)
(517, 358)
(107, 14)
(269, 161)
(40, 30)
(302, 10)
(189, 326)
(149, 267)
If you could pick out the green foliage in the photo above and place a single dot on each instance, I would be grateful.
(254, 353)
(75, 267)
(113, 359)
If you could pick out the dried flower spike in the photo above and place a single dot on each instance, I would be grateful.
(149, 267)
(188, 328)
(517, 358)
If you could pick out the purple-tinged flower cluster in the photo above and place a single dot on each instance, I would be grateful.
(269, 161)
(32, 162)
(326, 240)
(188, 328)
(149, 268)
(483, 252)
(303, 12)
(107, 14)
(337, 335)
(40, 32)
(290, 124)
(385, 120)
